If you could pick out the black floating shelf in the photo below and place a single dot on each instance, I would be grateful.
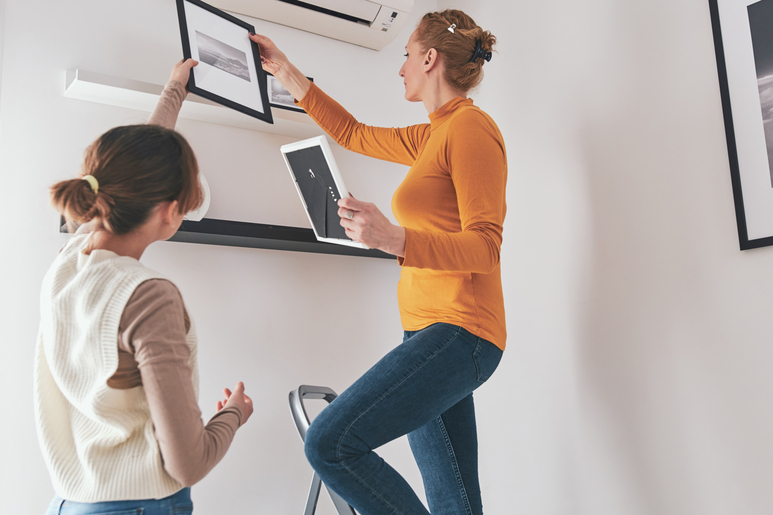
(211, 231)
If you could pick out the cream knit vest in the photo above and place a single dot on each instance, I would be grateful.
(98, 442)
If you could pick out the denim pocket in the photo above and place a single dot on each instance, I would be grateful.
(183, 509)
(486, 356)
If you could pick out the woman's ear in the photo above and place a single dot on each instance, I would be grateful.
(430, 60)
(171, 211)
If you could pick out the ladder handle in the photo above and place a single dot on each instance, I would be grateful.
(298, 410)
(301, 419)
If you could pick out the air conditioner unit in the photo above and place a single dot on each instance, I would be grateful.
(360, 22)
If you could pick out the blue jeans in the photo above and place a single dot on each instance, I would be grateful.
(176, 504)
(422, 388)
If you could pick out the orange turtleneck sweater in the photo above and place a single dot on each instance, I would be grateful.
(451, 204)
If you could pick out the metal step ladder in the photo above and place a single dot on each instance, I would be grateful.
(301, 420)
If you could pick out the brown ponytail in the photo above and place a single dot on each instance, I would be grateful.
(456, 48)
(137, 167)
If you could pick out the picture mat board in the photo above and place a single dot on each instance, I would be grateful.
(207, 35)
(320, 186)
(747, 127)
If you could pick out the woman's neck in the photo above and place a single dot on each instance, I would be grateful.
(131, 245)
(439, 94)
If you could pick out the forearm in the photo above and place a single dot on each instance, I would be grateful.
(190, 455)
(168, 106)
(396, 244)
(397, 145)
(473, 251)
(190, 449)
(293, 80)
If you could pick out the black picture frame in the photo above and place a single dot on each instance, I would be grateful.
(286, 104)
(750, 149)
(225, 66)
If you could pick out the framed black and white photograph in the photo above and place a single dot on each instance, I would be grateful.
(279, 97)
(743, 41)
(229, 70)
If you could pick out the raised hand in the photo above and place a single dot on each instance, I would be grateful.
(270, 56)
(238, 399)
(182, 71)
(276, 63)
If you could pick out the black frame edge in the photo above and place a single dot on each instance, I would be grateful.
(732, 149)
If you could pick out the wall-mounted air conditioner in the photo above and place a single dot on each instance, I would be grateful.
(360, 22)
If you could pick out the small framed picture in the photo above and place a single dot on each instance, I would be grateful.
(743, 43)
(229, 70)
(279, 97)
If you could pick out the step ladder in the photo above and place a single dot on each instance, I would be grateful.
(302, 422)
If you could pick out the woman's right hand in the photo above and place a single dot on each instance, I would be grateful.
(237, 399)
(276, 63)
(271, 57)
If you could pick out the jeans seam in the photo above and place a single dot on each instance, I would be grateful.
(475, 358)
(455, 464)
(393, 388)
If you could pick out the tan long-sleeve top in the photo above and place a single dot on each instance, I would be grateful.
(451, 204)
(152, 353)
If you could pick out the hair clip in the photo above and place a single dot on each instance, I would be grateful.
(451, 28)
(479, 53)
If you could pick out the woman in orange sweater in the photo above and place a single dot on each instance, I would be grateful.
(451, 208)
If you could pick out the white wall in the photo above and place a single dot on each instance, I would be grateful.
(2, 45)
(636, 381)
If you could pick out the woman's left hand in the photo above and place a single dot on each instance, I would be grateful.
(366, 224)
(182, 71)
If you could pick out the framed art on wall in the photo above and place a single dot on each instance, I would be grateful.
(229, 70)
(743, 42)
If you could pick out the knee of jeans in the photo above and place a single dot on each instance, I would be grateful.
(319, 446)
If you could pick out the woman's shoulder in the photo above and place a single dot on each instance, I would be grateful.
(157, 288)
(472, 114)
(472, 119)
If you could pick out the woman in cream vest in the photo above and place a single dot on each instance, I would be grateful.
(116, 382)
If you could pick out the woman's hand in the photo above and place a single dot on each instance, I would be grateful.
(182, 71)
(237, 399)
(277, 64)
(365, 223)
(271, 57)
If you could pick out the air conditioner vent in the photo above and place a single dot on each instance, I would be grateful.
(359, 11)
(372, 24)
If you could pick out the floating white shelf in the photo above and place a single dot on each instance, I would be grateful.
(143, 96)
